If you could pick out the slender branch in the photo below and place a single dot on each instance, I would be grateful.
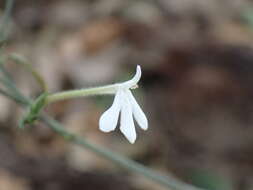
(117, 159)
(9, 84)
(17, 99)
(6, 16)
(28, 67)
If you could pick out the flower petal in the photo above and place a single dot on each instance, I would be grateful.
(126, 121)
(134, 80)
(139, 115)
(108, 120)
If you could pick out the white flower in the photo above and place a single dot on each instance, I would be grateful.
(125, 104)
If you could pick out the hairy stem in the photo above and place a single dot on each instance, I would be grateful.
(109, 89)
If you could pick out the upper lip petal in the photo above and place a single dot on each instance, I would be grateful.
(132, 82)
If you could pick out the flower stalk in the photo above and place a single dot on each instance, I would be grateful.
(109, 89)
(102, 90)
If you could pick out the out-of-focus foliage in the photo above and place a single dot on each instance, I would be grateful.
(208, 180)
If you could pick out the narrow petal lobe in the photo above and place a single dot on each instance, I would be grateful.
(126, 121)
(108, 120)
(139, 115)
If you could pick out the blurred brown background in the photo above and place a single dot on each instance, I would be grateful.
(196, 90)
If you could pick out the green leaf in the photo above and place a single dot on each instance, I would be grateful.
(34, 110)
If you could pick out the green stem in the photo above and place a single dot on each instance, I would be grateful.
(9, 84)
(169, 182)
(20, 60)
(109, 89)
(16, 98)
(6, 16)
